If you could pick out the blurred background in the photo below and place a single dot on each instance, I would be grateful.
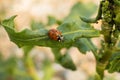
(40, 63)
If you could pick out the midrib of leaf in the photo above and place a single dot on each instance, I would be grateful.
(34, 39)
(81, 31)
(67, 33)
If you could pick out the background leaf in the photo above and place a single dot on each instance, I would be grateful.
(84, 45)
(80, 9)
(36, 25)
(52, 20)
(114, 63)
(9, 69)
(65, 60)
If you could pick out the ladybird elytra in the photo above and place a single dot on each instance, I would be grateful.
(55, 35)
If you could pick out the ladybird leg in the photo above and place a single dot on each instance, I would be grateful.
(59, 40)
(61, 37)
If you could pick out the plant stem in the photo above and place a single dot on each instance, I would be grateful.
(30, 68)
(102, 63)
(108, 44)
(29, 63)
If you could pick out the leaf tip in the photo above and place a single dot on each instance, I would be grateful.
(12, 17)
(9, 21)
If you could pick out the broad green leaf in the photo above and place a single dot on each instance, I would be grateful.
(65, 60)
(114, 63)
(70, 31)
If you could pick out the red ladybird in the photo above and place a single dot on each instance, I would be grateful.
(55, 35)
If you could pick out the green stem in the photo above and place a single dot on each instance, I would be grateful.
(102, 63)
(29, 63)
(100, 67)
(31, 69)
(108, 45)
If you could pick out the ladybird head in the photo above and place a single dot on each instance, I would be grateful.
(60, 38)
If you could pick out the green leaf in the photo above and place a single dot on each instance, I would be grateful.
(37, 25)
(80, 9)
(70, 31)
(76, 32)
(114, 63)
(9, 22)
(52, 20)
(84, 45)
(65, 60)
(39, 35)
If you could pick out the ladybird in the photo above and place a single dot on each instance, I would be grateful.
(55, 35)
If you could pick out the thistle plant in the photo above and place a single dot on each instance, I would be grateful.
(77, 31)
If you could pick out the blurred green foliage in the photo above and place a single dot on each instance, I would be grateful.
(11, 70)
